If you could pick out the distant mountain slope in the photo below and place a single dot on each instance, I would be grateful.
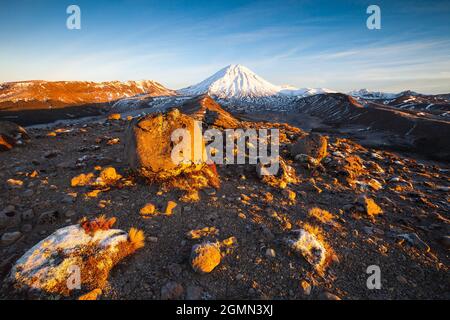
(44, 95)
(426, 135)
(421, 104)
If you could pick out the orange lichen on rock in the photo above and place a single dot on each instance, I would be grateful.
(148, 209)
(109, 176)
(151, 153)
(171, 205)
(82, 180)
(114, 116)
(205, 257)
(93, 193)
(201, 233)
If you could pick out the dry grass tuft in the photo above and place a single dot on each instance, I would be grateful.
(136, 238)
(321, 215)
(100, 223)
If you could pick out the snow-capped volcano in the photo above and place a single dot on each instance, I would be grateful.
(239, 82)
(233, 82)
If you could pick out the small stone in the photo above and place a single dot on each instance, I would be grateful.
(402, 279)
(14, 184)
(445, 241)
(172, 291)
(270, 253)
(170, 209)
(114, 117)
(148, 209)
(239, 276)
(369, 205)
(68, 199)
(69, 213)
(28, 193)
(347, 207)
(27, 215)
(306, 287)
(205, 257)
(414, 240)
(291, 195)
(329, 296)
(194, 293)
(209, 191)
(10, 237)
(153, 239)
(48, 217)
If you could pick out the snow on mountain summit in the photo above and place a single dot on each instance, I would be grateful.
(239, 82)
(233, 82)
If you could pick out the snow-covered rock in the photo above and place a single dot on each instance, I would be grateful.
(48, 266)
(310, 247)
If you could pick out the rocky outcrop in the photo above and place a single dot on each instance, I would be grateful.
(11, 135)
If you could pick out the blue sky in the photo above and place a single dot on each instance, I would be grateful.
(178, 43)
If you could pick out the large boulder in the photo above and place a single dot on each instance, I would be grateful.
(150, 151)
(90, 250)
(313, 145)
(11, 135)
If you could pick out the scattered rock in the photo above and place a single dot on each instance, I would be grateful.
(170, 209)
(194, 293)
(329, 296)
(369, 206)
(172, 291)
(352, 167)
(414, 240)
(205, 257)
(10, 237)
(306, 287)
(14, 184)
(307, 245)
(445, 241)
(114, 116)
(313, 145)
(69, 213)
(270, 253)
(148, 209)
(201, 233)
(48, 217)
(11, 135)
